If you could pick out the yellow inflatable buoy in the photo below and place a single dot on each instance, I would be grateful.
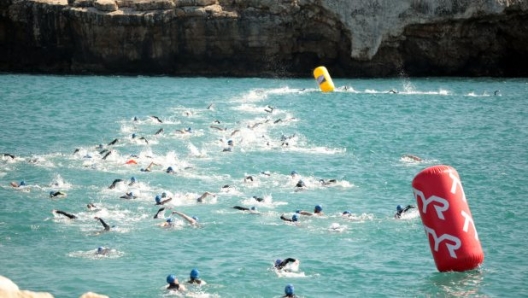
(323, 78)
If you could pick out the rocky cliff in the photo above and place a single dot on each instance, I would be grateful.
(351, 38)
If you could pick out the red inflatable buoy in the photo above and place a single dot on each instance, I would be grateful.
(130, 162)
(447, 220)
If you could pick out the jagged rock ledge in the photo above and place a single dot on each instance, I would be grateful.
(8, 289)
(352, 38)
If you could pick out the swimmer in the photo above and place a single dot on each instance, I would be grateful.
(113, 142)
(92, 207)
(258, 199)
(167, 223)
(194, 277)
(11, 155)
(251, 210)
(230, 145)
(113, 185)
(184, 131)
(248, 178)
(413, 157)
(156, 118)
(160, 202)
(346, 213)
(191, 220)
(105, 225)
(210, 106)
(218, 127)
(157, 215)
(234, 132)
(107, 154)
(102, 251)
(68, 215)
(497, 93)
(289, 291)
(279, 264)
(201, 198)
(266, 173)
(18, 185)
(400, 210)
(329, 182)
(269, 109)
(148, 168)
(294, 218)
(54, 194)
(300, 184)
(393, 91)
(170, 170)
(174, 284)
(158, 132)
(132, 181)
(128, 196)
(294, 174)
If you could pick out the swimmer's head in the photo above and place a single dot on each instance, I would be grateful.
(288, 290)
(293, 173)
(295, 217)
(133, 135)
(22, 183)
(169, 169)
(230, 142)
(297, 211)
(100, 249)
(399, 208)
(318, 208)
(158, 199)
(171, 278)
(169, 220)
(130, 194)
(346, 212)
(195, 218)
(163, 194)
(133, 179)
(195, 274)
(51, 193)
(253, 208)
(188, 129)
(277, 262)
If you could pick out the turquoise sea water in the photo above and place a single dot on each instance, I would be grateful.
(357, 136)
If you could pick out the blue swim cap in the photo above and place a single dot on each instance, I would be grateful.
(131, 194)
(399, 208)
(169, 220)
(158, 199)
(253, 208)
(100, 249)
(195, 218)
(288, 290)
(230, 142)
(163, 194)
(189, 129)
(195, 273)
(295, 217)
(169, 169)
(133, 135)
(22, 183)
(346, 212)
(277, 262)
(318, 208)
(133, 179)
(293, 173)
(51, 193)
(171, 278)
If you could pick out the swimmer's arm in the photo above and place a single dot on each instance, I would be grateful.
(105, 225)
(166, 201)
(285, 218)
(70, 216)
(305, 213)
(157, 213)
(241, 208)
(185, 216)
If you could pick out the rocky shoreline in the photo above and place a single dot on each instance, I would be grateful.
(265, 38)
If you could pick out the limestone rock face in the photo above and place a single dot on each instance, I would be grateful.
(9, 289)
(351, 38)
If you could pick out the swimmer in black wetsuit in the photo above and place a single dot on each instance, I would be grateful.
(252, 209)
(201, 198)
(113, 142)
(294, 218)
(400, 210)
(68, 215)
(105, 225)
(258, 199)
(194, 277)
(300, 184)
(113, 185)
(54, 194)
(174, 284)
(8, 155)
(157, 119)
(159, 131)
(279, 264)
(248, 178)
(102, 251)
(107, 154)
